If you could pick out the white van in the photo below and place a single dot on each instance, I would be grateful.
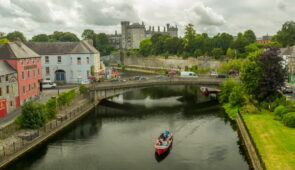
(47, 84)
(188, 74)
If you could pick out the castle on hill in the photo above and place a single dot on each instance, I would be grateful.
(132, 34)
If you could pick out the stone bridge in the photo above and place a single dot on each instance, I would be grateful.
(101, 90)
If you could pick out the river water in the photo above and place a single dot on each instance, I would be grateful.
(119, 134)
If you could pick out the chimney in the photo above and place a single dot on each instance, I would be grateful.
(89, 41)
(158, 28)
(116, 32)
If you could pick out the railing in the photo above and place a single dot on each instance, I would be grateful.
(252, 141)
(26, 140)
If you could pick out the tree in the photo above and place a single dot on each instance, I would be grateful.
(33, 116)
(230, 53)
(2, 35)
(16, 35)
(240, 43)
(250, 36)
(251, 73)
(102, 44)
(217, 53)
(251, 48)
(40, 38)
(88, 34)
(145, 47)
(63, 37)
(190, 32)
(272, 73)
(286, 36)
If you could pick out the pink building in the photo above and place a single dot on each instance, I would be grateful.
(27, 63)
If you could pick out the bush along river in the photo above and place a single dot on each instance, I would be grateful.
(120, 133)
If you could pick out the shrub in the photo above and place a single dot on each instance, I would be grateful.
(82, 89)
(51, 108)
(289, 119)
(230, 110)
(66, 97)
(236, 97)
(280, 111)
(226, 89)
(32, 117)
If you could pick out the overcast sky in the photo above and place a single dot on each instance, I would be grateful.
(212, 16)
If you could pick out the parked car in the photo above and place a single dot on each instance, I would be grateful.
(188, 74)
(287, 89)
(222, 76)
(47, 84)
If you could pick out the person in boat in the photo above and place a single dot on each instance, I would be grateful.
(166, 133)
(162, 136)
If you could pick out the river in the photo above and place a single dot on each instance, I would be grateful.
(120, 132)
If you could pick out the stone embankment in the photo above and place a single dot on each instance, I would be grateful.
(23, 141)
(253, 153)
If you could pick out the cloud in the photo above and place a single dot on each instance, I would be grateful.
(204, 15)
(281, 5)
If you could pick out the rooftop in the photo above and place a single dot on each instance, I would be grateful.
(15, 50)
(5, 68)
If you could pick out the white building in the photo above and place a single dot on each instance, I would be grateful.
(68, 62)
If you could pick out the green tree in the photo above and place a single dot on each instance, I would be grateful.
(226, 89)
(63, 37)
(32, 117)
(88, 34)
(145, 47)
(102, 44)
(235, 64)
(40, 38)
(250, 36)
(251, 48)
(217, 53)
(251, 73)
(16, 35)
(286, 36)
(230, 53)
(240, 43)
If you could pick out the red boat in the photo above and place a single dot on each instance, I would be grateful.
(163, 143)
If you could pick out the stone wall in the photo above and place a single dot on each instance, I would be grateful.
(173, 62)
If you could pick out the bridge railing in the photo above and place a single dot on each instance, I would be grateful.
(154, 81)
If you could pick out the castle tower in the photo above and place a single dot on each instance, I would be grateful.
(124, 27)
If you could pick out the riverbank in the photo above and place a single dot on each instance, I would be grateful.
(22, 142)
(275, 142)
(152, 70)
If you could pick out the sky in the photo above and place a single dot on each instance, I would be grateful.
(34, 17)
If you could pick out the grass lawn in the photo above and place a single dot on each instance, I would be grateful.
(275, 142)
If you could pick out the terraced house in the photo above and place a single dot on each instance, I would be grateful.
(27, 63)
(9, 98)
(68, 62)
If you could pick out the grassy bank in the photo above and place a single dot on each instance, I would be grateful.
(275, 142)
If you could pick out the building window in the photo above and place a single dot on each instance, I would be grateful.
(11, 103)
(28, 73)
(78, 60)
(28, 61)
(35, 86)
(34, 73)
(47, 70)
(88, 72)
(7, 89)
(0, 91)
(24, 90)
(59, 59)
(38, 72)
(29, 87)
(33, 60)
(22, 62)
(23, 75)
(46, 59)
(87, 59)
(6, 78)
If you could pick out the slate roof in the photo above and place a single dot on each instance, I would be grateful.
(5, 68)
(59, 48)
(15, 50)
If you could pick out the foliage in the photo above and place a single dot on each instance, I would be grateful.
(236, 97)
(82, 89)
(286, 36)
(40, 38)
(250, 36)
(101, 42)
(51, 108)
(16, 35)
(66, 98)
(289, 119)
(231, 110)
(226, 89)
(272, 73)
(32, 117)
(217, 53)
(231, 53)
(251, 73)
(235, 64)
(4, 40)
(145, 47)
(280, 111)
